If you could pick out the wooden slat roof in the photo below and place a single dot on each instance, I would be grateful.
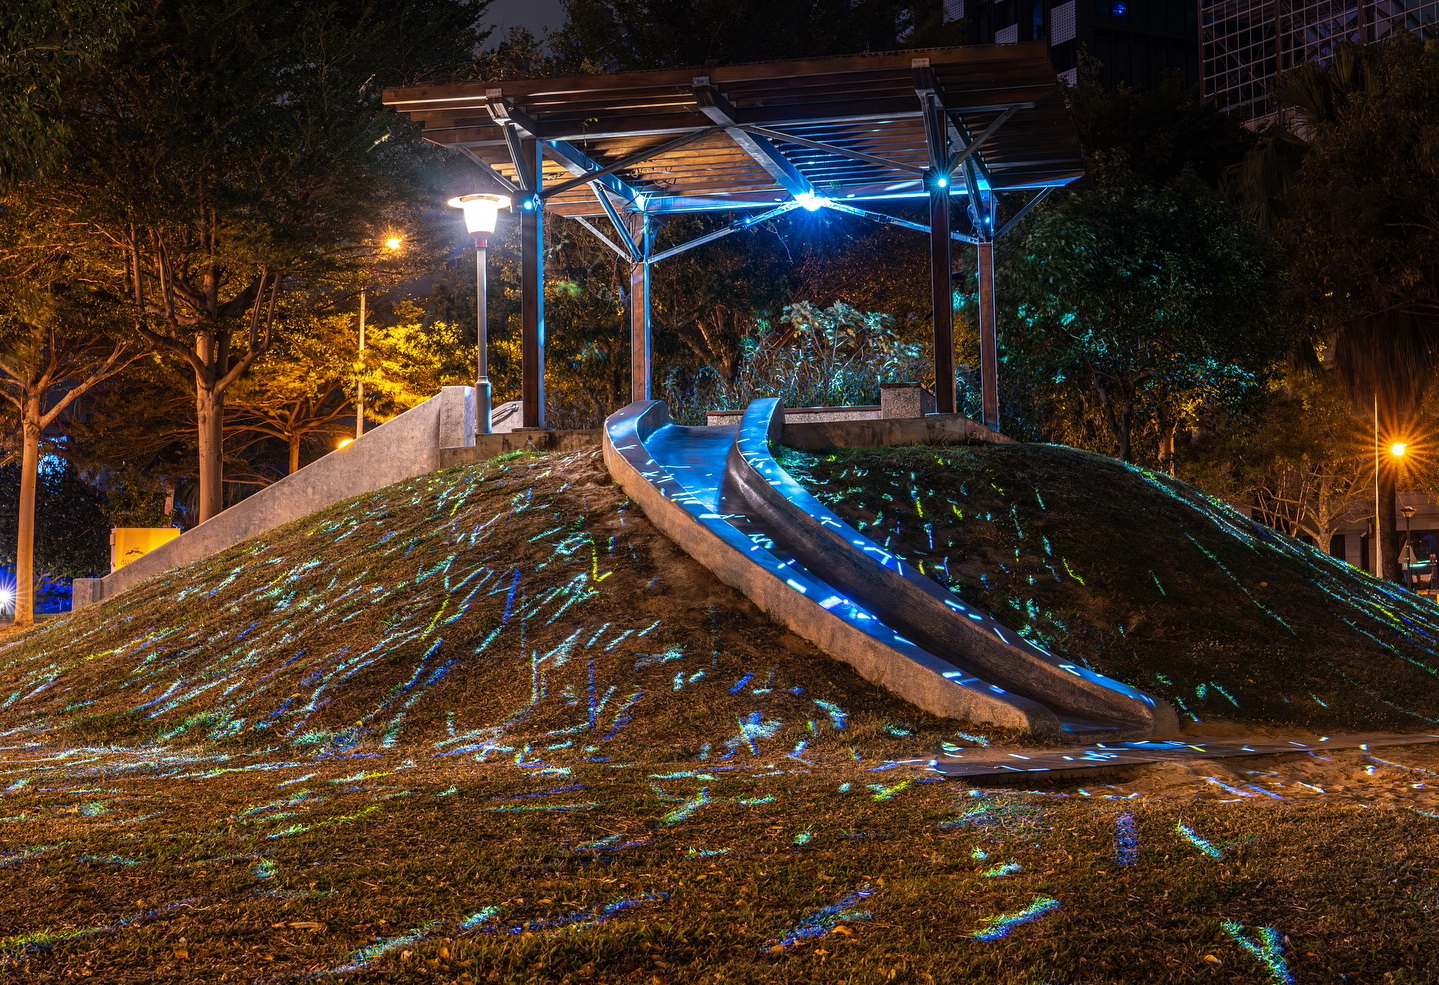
(865, 104)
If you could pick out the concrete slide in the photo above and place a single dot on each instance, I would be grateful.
(720, 495)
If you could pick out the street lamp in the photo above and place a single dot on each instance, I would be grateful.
(392, 243)
(482, 211)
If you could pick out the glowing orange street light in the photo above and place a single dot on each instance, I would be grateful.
(1398, 449)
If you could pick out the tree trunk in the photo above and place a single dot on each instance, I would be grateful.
(1125, 431)
(1166, 445)
(294, 453)
(210, 416)
(25, 528)
(1386, 540)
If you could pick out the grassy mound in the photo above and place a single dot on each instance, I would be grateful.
(516, 609)
(536, 657)
(1143, 578)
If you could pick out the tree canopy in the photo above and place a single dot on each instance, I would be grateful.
(1140, 303)
(237, 150)
(45, 48)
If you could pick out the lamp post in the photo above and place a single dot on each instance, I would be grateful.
(392, 243)
(360, 381)
(1407, 555)
(482, 211)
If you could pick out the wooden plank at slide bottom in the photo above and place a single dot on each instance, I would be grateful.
(1041, 763)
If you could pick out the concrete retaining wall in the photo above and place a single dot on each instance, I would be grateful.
(487, 446)
(932, 429)
(804, 415)
(410, 445)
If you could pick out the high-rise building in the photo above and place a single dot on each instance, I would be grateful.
(1138, 42)
(1247, 42)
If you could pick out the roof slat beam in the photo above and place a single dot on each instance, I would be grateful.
(717, 108)
(832, 149)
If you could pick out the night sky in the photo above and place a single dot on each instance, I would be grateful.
(533, 14)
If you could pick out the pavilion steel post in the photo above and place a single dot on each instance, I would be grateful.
(941, 292)
(988, 336)
(641, 369)
(532, 290)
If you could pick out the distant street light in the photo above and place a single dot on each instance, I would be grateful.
(482, 212)
(393, 243)
(1398, 451)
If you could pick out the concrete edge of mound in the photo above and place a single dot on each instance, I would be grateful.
(903, 669)
(409, 445)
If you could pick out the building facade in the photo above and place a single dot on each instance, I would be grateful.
(1137, 42)
(1245, 43)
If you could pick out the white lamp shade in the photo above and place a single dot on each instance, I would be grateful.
(481, 211)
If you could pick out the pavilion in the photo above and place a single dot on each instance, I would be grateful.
(858, 133)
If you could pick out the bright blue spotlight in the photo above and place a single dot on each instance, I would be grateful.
(942, 181)
(811, 202)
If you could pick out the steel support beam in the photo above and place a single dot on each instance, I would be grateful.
(632, 160)
(714, 105)
(988, 336)
(733, 227)
(941, 258)
(516, 121)
(494, 175)
(974, 145)
(892, 220)
(532, 288)
(1038, 197)
(599, 234)
(641, 371)
(622, 229)
(941, 293)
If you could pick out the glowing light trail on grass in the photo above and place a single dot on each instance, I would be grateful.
(1194, 839)
(1266, 948)
(999, 926)
(1126, 840)
(826, 919)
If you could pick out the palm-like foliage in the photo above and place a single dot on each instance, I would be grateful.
(1345, 180)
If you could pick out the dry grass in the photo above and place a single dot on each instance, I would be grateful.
(1145, 579)
(130, 867)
